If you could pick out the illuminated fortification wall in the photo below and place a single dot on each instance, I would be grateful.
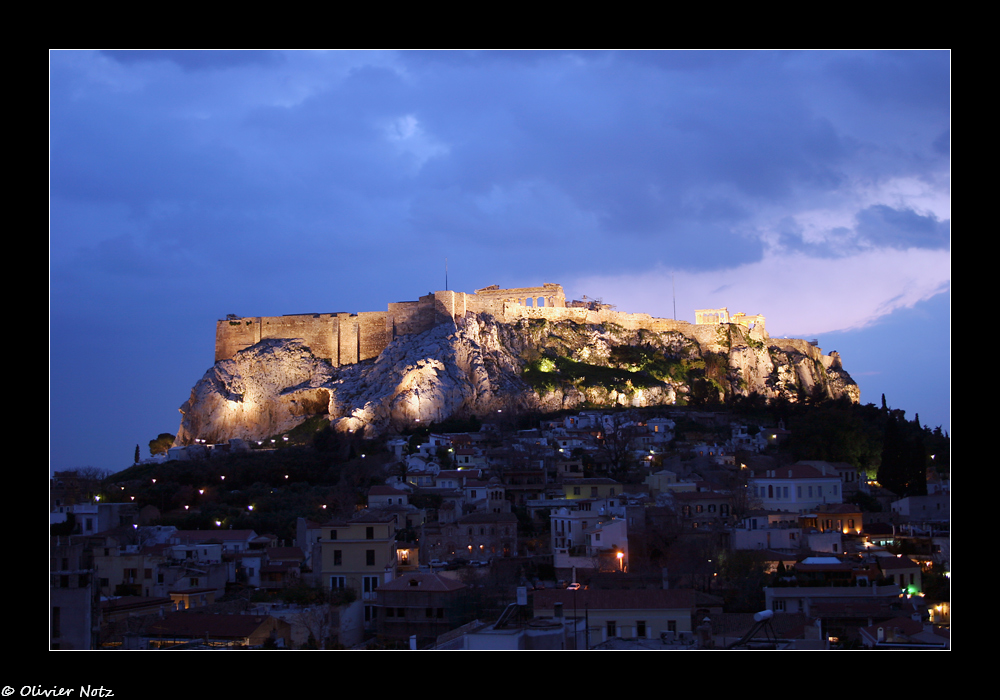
(716, 316)
(344, 338)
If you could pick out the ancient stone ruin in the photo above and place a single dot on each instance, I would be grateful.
(348, 338)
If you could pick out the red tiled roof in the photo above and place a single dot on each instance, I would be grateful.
(386, 491)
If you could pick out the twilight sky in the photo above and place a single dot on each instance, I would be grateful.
(811, 187)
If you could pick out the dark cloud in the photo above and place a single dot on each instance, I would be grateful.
(942, 144)
(902, 228)
(277, 182)
(198, 60)
(911, 79)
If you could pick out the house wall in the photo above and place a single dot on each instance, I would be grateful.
(801, 598)
(353, 546)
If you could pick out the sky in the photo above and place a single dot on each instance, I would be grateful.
(811, 187)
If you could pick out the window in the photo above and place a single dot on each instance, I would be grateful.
(338, 557)
(593, 491)
(369, 533)
(333, 534)
(370, 557)
(338, 583)
(612, 629)
(640, 629)
(672, 626)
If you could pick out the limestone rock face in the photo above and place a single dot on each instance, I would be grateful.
(478, 368)
(268, 388)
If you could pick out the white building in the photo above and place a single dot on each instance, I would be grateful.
(798, 488)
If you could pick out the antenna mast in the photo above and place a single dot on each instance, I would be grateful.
(674, 292)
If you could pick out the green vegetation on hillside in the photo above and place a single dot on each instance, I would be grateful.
(262, 490)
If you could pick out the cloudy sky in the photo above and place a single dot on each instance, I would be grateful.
(811, 187)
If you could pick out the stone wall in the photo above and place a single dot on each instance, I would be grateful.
(717, 316)
(347, 345)
(345, 339)
(372, 334)
(234, 334)
(548, 295)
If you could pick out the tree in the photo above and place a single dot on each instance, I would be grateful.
(618, 444)
(743, 499)
(162, 443)
(136, 455)
(444, 457)
(903, 469)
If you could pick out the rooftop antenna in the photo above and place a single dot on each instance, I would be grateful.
(674, 292)
(446, 274)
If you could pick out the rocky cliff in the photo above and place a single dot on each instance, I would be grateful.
(481, 366)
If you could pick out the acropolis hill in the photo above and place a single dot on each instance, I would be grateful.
(457, 354)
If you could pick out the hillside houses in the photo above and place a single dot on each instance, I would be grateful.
(454, 523)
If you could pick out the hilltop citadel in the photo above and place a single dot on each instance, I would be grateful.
(348, 338)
